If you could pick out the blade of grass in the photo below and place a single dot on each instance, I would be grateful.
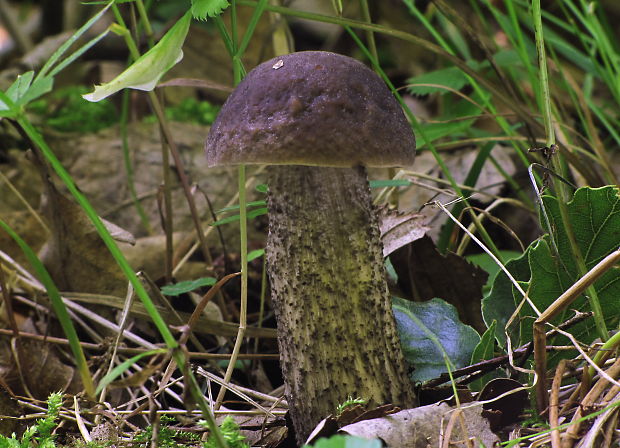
(160, 324)
(416, 125)
(79, 52)
(65, 46)
(59, 308)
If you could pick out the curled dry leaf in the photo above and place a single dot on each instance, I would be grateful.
(399, 229)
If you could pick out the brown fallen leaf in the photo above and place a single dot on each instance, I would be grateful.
(34, 368)
(11, 411)
(399, 229)
(75, 255)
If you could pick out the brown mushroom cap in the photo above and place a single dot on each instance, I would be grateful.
(311, 108)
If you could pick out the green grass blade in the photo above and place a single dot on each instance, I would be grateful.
(59, 308)
(65, 46)
(79, 52)
(122, 367)
(139, 289)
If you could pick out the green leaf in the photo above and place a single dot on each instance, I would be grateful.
(187, 286)
(485, 350)
(253, 255)
(201, 9)
(389, 183)
(39, 88)
(250, 215)
(23, 90)
(485, 262)
(451, 77)
(236, 207)
(431, 334)
(339, 441)
(55, 57)
(20, 86)
(145, 73)
(459, 118)
(509, 58)
(118, 370)
(499, 304)
(262, 188)
(594, 214)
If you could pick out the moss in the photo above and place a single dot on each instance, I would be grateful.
(190, 110)
(65, 110)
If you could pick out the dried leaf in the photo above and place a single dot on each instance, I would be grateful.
(398, 229)
(421, 427)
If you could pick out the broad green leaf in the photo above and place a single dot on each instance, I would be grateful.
(187, 286)
(145, 73)
(428, 331)
(499, 304)
(485, 262)
(339, 441)
(594, 214)
(201, 9)
(451, 77)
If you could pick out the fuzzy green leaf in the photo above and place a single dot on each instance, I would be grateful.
(594, 214)
(201, 9)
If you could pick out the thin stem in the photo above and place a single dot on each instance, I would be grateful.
(180, 166)
(238, 73)
(244, 286)
(370, 36)
(131, 185)
(545, 104)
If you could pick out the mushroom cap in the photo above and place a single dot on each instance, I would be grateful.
(311, 108)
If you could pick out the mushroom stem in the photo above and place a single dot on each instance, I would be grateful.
(336, 330)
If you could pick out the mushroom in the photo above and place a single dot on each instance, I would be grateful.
(320, 118)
